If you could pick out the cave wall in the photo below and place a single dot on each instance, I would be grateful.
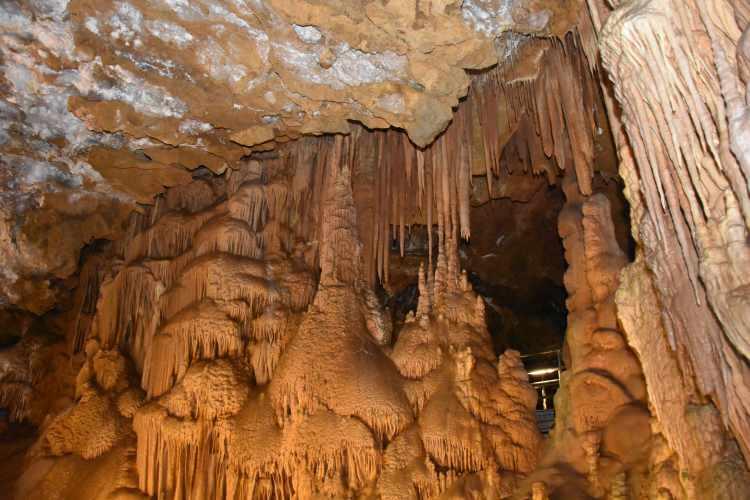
(683, 163)
(238, 350)
(676, 107)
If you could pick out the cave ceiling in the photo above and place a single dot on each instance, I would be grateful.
(104, 104)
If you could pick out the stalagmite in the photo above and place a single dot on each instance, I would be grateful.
(253, 378)
(445, 351)
(603, 428)
(304, 272)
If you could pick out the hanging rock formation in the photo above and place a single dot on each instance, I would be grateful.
(116, 100)
(200, 203)
(215, 367)
(684, 170)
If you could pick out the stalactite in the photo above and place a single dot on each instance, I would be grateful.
(543, 117)
(686, 185)
(128, 309)
(383, 228)
(90, 281)
(246, 303)
(430, 197)
(386, 219)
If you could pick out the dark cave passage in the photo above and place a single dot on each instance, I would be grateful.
(515, 260)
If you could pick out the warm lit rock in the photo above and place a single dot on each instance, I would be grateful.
(273, 249)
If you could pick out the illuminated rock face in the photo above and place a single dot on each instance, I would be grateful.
(705, 227)
(220, 364)
(105, 103)
(230, 341)
(691, 270)
(602, 431)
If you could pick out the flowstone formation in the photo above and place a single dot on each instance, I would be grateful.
(684, 162)
(602, 436)
(203, 205)
(105, 103)
(220, 364)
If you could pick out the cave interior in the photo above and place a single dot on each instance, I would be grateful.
(269, 249)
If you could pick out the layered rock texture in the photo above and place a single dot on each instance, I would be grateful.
(94, 92)
(205, 205)
(221, 363)
(602, 431)
(686, 180)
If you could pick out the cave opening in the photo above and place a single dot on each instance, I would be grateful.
(514, 260)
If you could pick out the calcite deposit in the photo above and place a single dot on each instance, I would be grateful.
(273, 249)
(119, 99)
(258, 380)
(603, 426)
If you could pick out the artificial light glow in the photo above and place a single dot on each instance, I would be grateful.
(542, 371)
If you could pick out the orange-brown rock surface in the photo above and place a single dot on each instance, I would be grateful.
(602, 432)
(118, 99)
(221, 364)
(201, 204)
(685, 176)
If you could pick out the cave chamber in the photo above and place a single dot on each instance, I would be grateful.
(377, 249)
